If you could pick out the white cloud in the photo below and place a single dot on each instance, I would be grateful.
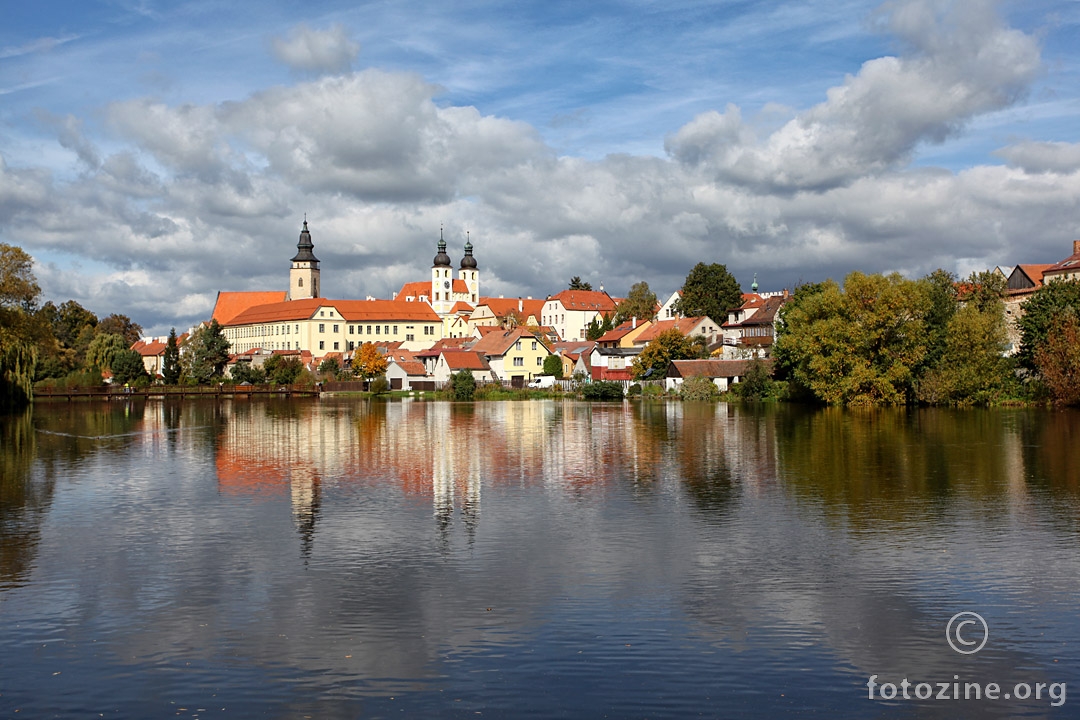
(309, 50)
(1042, 157)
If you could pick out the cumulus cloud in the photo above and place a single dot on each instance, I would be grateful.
(184, 200)
(960, 61)
(323, 51)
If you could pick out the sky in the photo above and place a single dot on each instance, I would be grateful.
(153, 153)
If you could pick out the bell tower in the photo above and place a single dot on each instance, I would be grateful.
(441, 280)
(304, 274)
(470, 274)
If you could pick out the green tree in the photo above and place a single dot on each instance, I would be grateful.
(757, 384)
(207, 353)
(282, 369)
(104, 350)
(861, 345)
(576, 283)
(599, 325)
(18, 286)
(379, 386)
(553, 366)
(640, 303)
(602, 390)
(709, 290)
(170, 361)
(330, 366)
(942, 293)
(463, 385)
(245, 372)
(1041, 311)
(971, 369)
(19, 331)
(127, 367)
(658, 354)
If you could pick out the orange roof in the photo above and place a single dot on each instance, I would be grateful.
(460, 306)
(683, 325)
(149, 349)
(411, 367)
(501, 307)
(1035, 272)
(585, 300)
(349, 310)
(465, 360)
(423, 287)
(231, 304)
(460, 286)
(498, 343)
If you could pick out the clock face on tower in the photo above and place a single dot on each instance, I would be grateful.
(446, 283)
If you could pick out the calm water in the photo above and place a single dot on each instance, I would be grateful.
(344, 559)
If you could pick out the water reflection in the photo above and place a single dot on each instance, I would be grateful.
(529, 558)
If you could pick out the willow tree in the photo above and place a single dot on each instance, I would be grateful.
(19, 292)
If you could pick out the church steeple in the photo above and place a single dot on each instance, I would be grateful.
(441, 258)
(468, 262)
(304, 274)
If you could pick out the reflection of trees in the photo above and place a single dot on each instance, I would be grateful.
(24, 498)
(1050, 449)
(70, 431)
(888, 464)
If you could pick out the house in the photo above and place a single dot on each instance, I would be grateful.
(430, 356)
(454, 361)
(751, 328)
(152, 352)
(1026, 278)
(625, 334)
(575, 356)
(570, 312)
(667, 310)
(230, 304)
(406, 374)
(507, 313)
(514, 356)
(1067, 269)
(723, 373)
(702, 326)
(612, 363)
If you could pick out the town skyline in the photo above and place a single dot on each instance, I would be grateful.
(147, 163)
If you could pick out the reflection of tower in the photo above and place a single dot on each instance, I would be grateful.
(442, 486)
(304, 487)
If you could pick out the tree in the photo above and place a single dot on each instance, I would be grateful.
(104, 350)
(1041, 311)
(709, 290)
(207, 354)
(862, 345)
(368, 363)
(170, 361)
(463, 385)
(599, 325)
(245, 372)
(330, 366)
(577, 284)
(1058, 359)
(602, 390)
(658, 354)
(757, 383)
(128, 367)
(18, 286)
(282, 369)
(640, 303)
(120, 325)
(553, 366)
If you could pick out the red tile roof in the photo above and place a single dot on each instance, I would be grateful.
(349, 310)
(711, 368)
(231, 304)
(411, 368)
(683, 325)
(501, 307)
(498, 343)
(423, 288)
(465, 360)
(585, 300)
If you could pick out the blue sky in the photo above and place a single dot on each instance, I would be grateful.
(154, 153)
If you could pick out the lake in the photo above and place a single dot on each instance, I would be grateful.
(346, 558)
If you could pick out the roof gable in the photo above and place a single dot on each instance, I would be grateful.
(585, 300)
(231, 304)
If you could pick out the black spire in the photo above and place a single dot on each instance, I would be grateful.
(468, 262)
(304, 247)
(441, 259)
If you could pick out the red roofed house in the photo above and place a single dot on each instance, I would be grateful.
(1067, 269)
(723, 373)
(507, 312)
(751, 328)
(152, 351)
(514, 356)
(702, 326)
(625, 334)
(454, 361)
(570, 312)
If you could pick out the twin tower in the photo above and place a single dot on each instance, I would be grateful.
(446, 290)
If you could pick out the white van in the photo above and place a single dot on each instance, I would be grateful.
(542, 381)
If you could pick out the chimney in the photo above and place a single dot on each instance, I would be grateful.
(393, 295)
(633, 323)
(1076, 247)
(520, 306)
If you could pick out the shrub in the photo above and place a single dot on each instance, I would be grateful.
(758, 382)
(699, 388)
(463, 385)
(379, 385)
(602, 390)
(634, 390)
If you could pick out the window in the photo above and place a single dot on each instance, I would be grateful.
(322, 345)
(299, 282)
(352, 345)
(395, 329)
(540, 361)
(519, 362)
(376, 329)
(335, 346)
(322, 327)
(517, 345)
(409, 338)
(386, 330)
(297, 328)
(533, 344)
(351, 329)
(335, 328)
(322, 314)
(368, 329)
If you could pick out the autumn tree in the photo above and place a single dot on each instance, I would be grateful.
(658, 354)
(18, 286)
(709, 290)
(19, 293)
(576, 283)
(367, 362)
(120, 325)
(170, 361)
(1041, 311)
(640, 303)
(1058, 359)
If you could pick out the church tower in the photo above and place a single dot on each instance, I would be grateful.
(442, 282)
(470, 274)
(304, 274)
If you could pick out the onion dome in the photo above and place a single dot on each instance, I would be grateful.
(304, 247)
(441, 259)
(468, 262)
